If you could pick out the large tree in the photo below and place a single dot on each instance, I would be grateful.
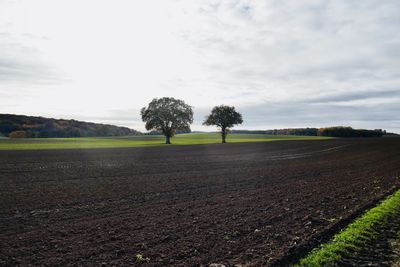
(223, 117)
(167, 115)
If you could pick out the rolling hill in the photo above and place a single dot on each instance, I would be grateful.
(20, 126)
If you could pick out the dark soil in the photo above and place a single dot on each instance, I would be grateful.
(253, 204)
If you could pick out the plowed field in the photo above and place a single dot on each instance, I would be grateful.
(246, 203)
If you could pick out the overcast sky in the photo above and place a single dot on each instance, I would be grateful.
(282, 63)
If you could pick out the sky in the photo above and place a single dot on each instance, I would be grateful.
(281, 63)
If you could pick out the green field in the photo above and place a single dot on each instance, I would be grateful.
(143, 140)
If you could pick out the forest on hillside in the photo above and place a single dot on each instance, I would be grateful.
(20, 126)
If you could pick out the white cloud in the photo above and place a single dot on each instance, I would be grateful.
(105, 59)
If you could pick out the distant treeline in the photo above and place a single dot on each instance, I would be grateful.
(19, 126)
(294, 131)
(160, 133)
(337, 131)
(340, 131)
(288, 131)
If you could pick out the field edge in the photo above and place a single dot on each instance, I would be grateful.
(146, 141)
(354, 235)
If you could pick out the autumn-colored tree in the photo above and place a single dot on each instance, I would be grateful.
(18, 134)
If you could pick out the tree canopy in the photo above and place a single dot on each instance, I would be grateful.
(167, 115)
(223, 117)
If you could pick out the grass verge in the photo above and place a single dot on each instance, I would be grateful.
(355, 235)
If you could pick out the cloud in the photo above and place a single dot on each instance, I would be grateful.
(23, 63)
(388, 94)
(305, 114)
(360, 110)
(284, 63)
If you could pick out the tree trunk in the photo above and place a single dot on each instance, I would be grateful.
(223, 134)
(167, 139)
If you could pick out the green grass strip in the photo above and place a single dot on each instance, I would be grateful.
(355, 235)
(141, 141)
